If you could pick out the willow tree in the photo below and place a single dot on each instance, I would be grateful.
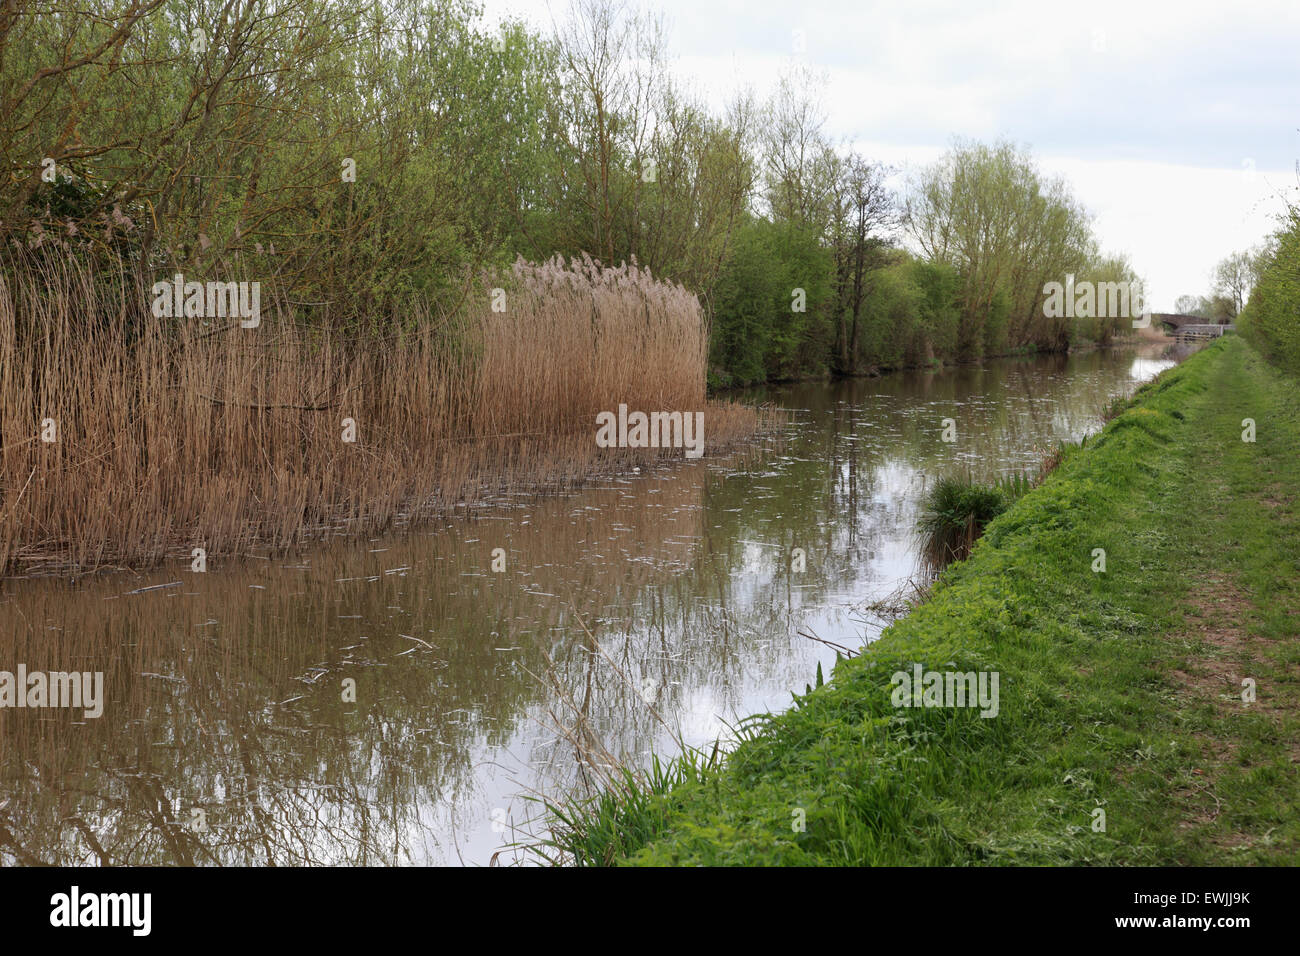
(987, 211)
(612, 74)
(800, 167)
(1233, 278)
(353, 155)
(683, 222)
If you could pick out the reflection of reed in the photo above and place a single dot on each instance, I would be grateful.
(226, 697)
(192, 722)
(242, 716)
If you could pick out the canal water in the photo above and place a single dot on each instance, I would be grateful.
(397, 700)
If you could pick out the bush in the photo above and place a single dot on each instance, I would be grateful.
(756, 334)
(1271, 319)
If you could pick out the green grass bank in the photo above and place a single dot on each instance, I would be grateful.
(1119, 690)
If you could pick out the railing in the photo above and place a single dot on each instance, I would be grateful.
(1190, 332)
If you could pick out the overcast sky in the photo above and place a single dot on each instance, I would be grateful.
(1176, 123)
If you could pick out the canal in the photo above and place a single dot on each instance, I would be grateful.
(397, 700)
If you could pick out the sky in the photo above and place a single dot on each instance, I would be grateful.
(1177, 124)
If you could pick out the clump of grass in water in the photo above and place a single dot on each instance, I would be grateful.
(955, 512)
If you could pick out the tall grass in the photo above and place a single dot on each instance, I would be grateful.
(181, 433)
(621, 817)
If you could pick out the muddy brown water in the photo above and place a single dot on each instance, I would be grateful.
(394, 701)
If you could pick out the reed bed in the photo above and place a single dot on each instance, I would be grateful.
(173, 434)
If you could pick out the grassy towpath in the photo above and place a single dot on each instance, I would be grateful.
(1121, 736)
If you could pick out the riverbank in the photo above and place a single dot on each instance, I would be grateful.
(1136, 339)
(1120, 734)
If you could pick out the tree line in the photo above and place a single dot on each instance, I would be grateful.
(363, 159)
(1258, 289)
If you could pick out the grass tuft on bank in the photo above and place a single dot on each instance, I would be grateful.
(1121, 735)
(954, 514)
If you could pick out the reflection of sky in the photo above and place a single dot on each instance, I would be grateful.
(1147, 368)
(1067, 408)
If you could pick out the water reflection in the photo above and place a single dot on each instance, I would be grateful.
(231, 734)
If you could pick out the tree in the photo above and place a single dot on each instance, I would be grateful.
(862, 214)
(1233, 277)
(800, 167)
(986, 211)
(1271, 318)
(613, 78)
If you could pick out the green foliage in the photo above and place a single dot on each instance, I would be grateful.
(744, 302)
(801, 337)
(1271, 319)
(892, 333)
(1015, 486)
(756, 333)
(937, 313)
(620, 818)
(1008, 229)
(909, 314)
(368, 162)
(995, 323)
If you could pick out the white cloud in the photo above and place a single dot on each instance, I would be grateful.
(1174, 222)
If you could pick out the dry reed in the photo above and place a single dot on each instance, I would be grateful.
(175, 434)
